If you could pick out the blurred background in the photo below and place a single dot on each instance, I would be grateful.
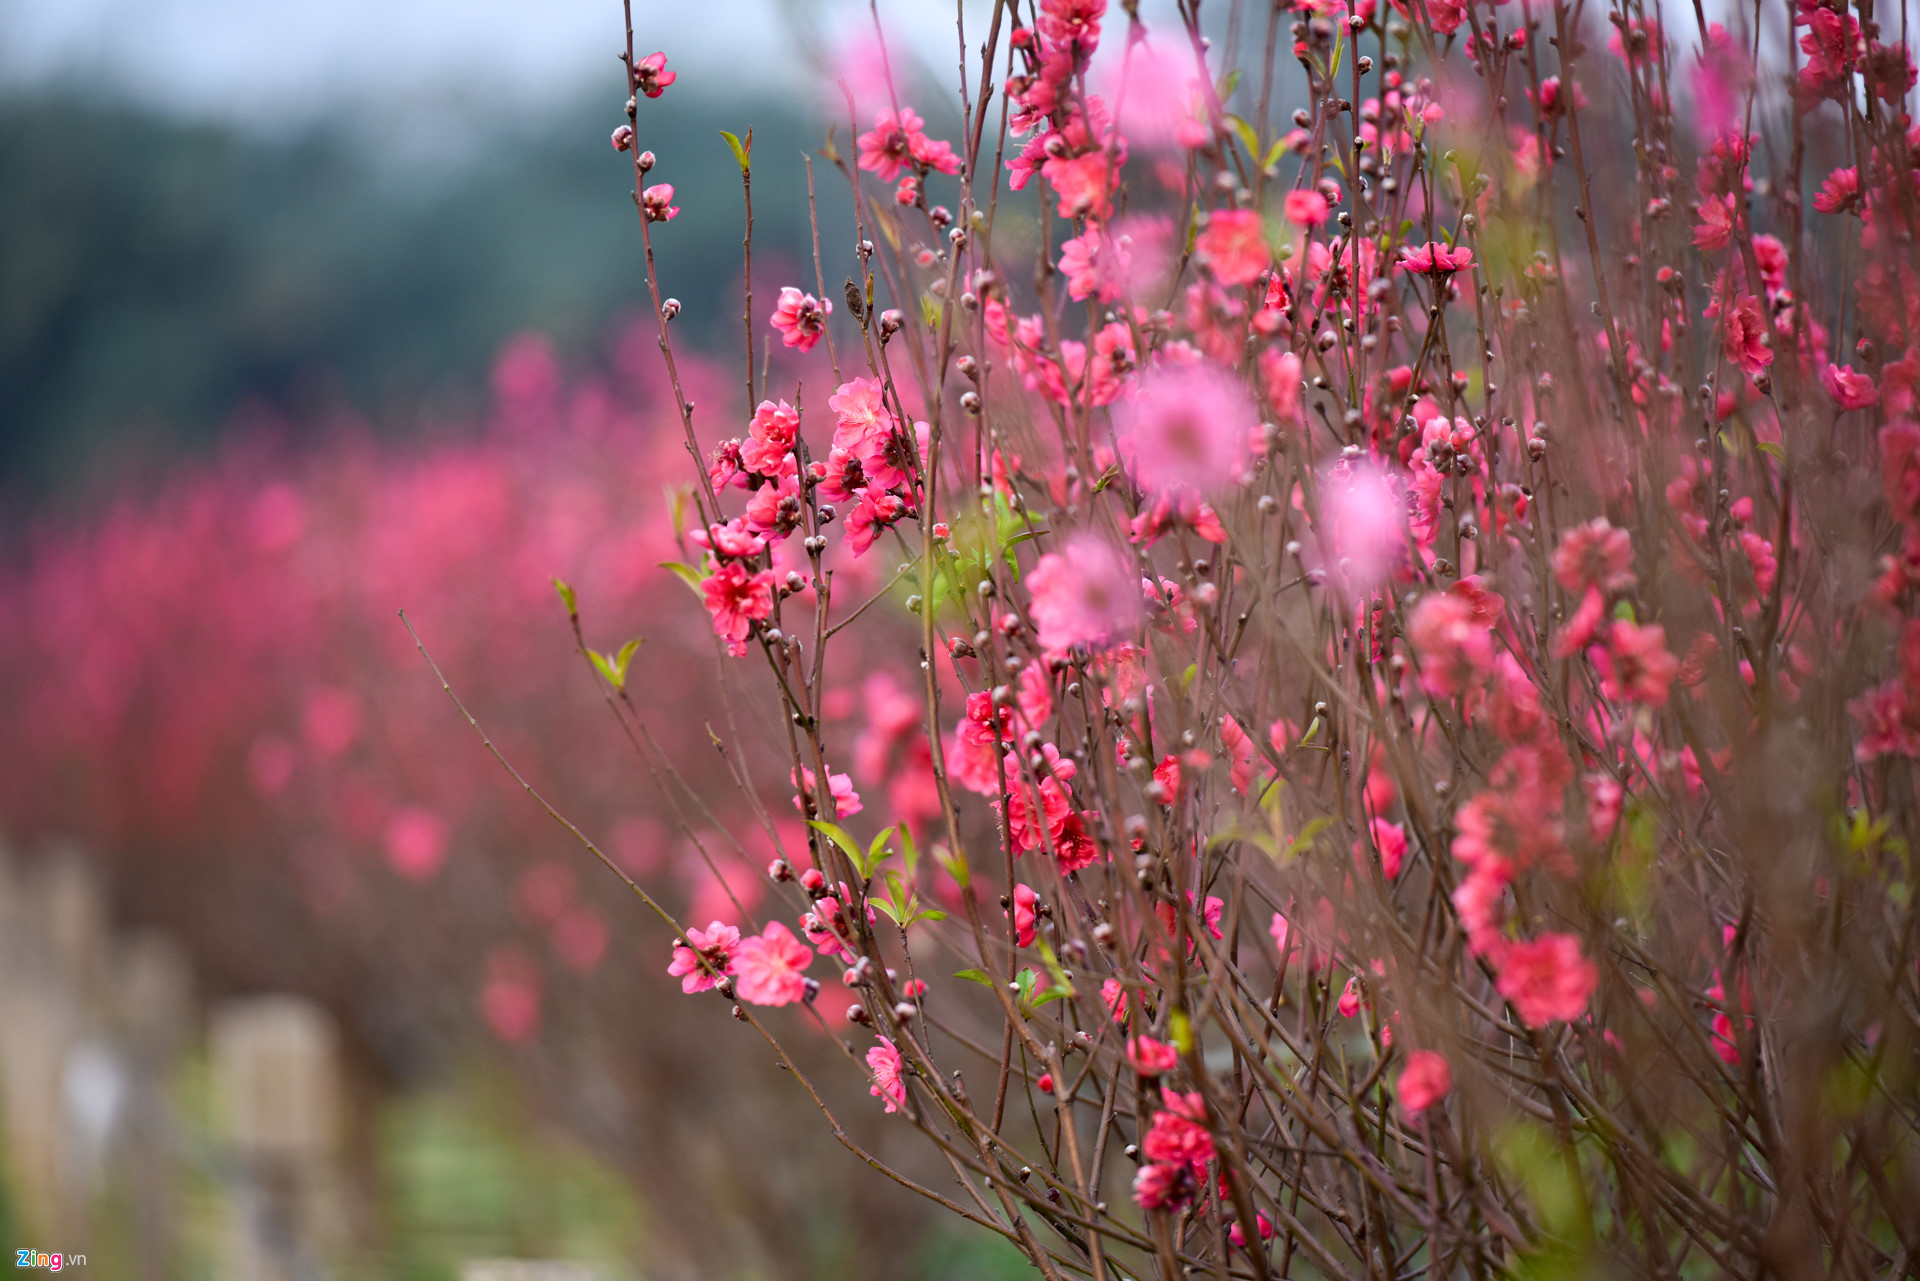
(309, 313)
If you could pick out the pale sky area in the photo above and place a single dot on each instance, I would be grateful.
(272, 63)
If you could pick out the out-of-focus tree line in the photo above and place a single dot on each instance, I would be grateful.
(155, 275)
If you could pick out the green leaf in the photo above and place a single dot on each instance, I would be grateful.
(908, 854)
(1024, 981)
(1244, 131)
(614, 666)
(1771, 450)
(1624, 611)
(1313, 730)
(1051, 994)
(838, 835)
(976, 976)
(1229, 83)
(955, 863)
(687, 574)
(679, 498)
(1274, 152)
(927, 914)
(875, 854)
(567, 597)
(604, 665)
(740, 153)
(1304, 839)
(1054, 969)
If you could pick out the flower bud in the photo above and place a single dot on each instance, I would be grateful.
(812, 881)
(780, 870)
(622, 138)
(647, 161)
(858, 1014)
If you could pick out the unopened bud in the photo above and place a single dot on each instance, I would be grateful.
(646, 161)
(780, 870)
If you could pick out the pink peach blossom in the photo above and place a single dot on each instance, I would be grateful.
(769, 968)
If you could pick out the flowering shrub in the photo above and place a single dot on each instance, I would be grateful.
(1410, 769)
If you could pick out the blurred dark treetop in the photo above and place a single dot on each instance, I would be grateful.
(155, 275)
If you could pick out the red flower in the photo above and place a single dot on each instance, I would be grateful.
(1636, 665)
(1595, 555)
(1150, 1057)
(1746, 335)
(1839, 192)
(1024, 902)
(883, 1060)
(1546, 980)
(895, 142)
(846, 801)
(1434, 258)
(1455, 651)
(657, 201)
(1715, 229)
(1234, 247)
(1177, 1136)
(1306, 208)
(870, 516)
(1849, 389)
(770, 968)
(650, 75)
(737, 599)
(714, 945)
(1391, 840)
(1425, 1081)
(800, 318)
(1080, 184)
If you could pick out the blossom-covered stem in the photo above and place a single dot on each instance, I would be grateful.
(711, 508)
(746, 252)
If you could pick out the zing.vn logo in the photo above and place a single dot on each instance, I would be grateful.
(51, 1262)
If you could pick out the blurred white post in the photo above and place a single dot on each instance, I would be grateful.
(60, 1081)
(154, 984)
(524, 1270)
(277, 1090)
